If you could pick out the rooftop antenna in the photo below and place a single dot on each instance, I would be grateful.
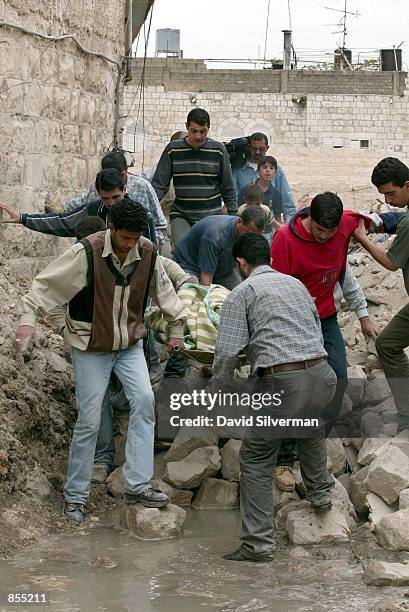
(343, 21)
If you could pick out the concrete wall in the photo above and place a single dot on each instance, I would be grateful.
(319, 145)
(57, 104)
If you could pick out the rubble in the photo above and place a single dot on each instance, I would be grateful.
(359, 489)
(380, 573)
(388, 474)
(336, 453)
(371, 449)
(189, 439)
(192, 470)
(230, 460)
(215, 493)
(378, 509)
(392, 531)
(306, 527)
(153, 523)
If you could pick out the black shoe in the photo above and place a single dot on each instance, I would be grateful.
(238, 555)
(74, 512)
(149, 498)
(325, 506)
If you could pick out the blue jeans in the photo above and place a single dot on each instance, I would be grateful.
(92, 374)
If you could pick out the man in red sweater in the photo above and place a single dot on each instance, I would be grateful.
(313, 247)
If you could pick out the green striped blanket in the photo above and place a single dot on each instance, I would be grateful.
(203, 306)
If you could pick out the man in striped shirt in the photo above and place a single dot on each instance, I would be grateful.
(201, 173)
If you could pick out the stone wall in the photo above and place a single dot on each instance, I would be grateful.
(57, 103)
(331, 143)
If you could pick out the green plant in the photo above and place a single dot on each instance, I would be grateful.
(301, 101)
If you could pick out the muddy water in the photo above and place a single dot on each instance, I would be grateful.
(185, 574)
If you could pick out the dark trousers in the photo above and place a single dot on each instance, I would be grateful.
(306, 392)
(337, 359)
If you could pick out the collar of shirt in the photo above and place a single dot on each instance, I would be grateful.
(132, 256)
(262, 270)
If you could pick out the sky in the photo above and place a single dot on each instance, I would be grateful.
(237, 28)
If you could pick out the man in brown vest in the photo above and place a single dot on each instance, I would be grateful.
(106, 280)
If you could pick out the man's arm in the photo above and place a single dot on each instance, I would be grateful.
(207, 261)
(376, 251)
(163, 174)
(227, 187)
(355, 299)
(390, 222)
(280, 254)
(232, 338)
(57, 224)
(140, 190)
(162, 292)
(281, 183)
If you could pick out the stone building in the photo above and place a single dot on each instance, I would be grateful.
(327, 129)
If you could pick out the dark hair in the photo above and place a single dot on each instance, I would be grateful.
(253, 248)
(88, 226)
(256, 215)
(114, 159)
(267, 159)
(326, 210)
(390, 170)
(199, 116)
(128, 215)
(110, 179)
(259, 136)
(253, 193)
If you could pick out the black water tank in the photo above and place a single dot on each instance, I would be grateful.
(391, 60)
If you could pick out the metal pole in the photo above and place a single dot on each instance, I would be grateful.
(287, 49)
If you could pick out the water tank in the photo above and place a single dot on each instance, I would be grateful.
(339, 58)
(168, 42)
(391, 60)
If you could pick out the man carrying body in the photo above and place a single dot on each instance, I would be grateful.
(273, 318)
(111, 188)
(206, 250)
(391, 177)
(248, 173)
(201, 173)
(106, 280)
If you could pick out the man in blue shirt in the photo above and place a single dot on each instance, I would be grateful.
(247, 173)
(206, 249)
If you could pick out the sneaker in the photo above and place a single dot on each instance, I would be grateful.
(240, 555)
(100, 473)
(284, 477)
(74, 512)
(151, 498)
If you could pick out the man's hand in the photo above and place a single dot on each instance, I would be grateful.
(224, 210)
(22, 339)
(14, 215)
(368, 327)
(175, 342)
(360, 232)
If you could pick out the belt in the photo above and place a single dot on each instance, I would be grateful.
(287, 367)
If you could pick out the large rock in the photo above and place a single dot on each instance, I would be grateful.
(306, 527)
(388, 474)
(378, 509)
(115, 483)
(336, 452)
(371, 449)
(356, 384)
(359, 489)
(230, 460)
(393, 531)
(39, 487)
(189, 439)
(153, 523)
(345, 480)
(380, 573)
(282, 498)
(357, 443)
(190, 472)
(339, 492)
(280, 518)
(179, 497)
(376, 391)
(216, 493)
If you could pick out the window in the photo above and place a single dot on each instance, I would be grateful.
(364, 144)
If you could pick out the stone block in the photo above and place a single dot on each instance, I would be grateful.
(66, 75)
(216, 493)
(23, 135)
(381, 573)
(392, 531)
(12, 165)
(282, 498)
(71, 139)
(189, 439)
(376, 391)
(378, 508)
(388, 474)
(230, 460)
(336, 452)
(356, 384)
(306, 527)
(359, 489)
(62, 103)
(371, 449)
(86, 109)
(339, 492)
(115, 483)
(192, 470)
(345, 480)
(179, 497)
(153, 523)
(280, 518)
